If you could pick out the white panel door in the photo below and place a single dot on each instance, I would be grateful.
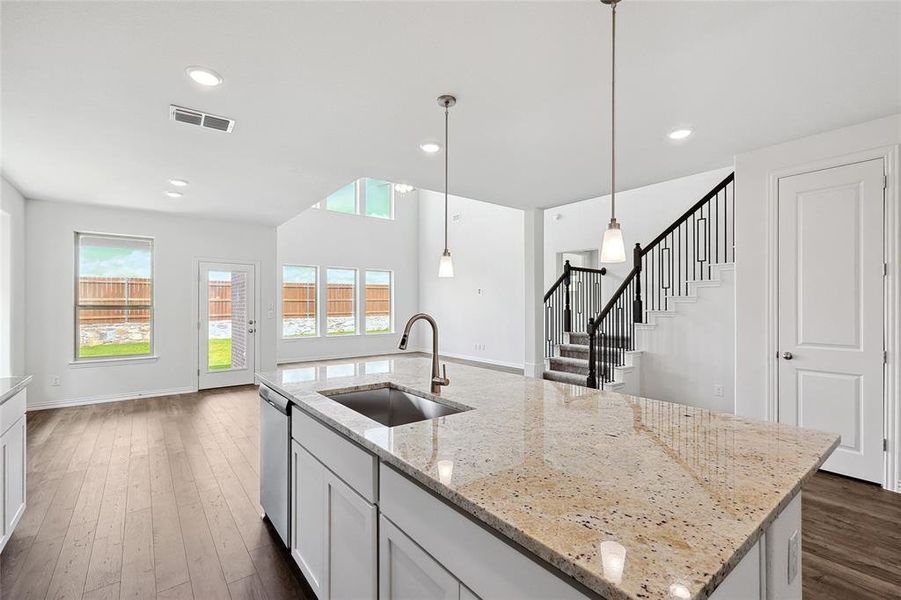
(407, 572)
(309, 518)
(227, 325)
(831, 316)
(352, 543)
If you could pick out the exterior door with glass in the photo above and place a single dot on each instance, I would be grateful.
(227, 324)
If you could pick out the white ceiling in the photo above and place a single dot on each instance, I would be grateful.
(324, 93)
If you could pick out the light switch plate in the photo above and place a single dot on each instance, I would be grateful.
(794, 555)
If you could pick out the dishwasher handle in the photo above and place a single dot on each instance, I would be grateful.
(274, 399)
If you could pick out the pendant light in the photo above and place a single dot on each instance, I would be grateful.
(446, 264)
(613, 250)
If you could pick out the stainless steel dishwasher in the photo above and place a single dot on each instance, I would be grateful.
(275, 463)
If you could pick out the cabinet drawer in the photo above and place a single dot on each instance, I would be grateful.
(488, 566)
(11, 411)
(357, 467)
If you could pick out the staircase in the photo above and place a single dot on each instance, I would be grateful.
(590, 339)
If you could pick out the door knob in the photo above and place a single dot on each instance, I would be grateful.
(787, 355)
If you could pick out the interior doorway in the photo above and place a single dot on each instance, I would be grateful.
(577, 258)
(831, 310)
(227, 324)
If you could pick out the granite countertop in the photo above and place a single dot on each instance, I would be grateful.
(10, 386)
(559, 469)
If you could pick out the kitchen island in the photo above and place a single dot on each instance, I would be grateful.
(614, 496)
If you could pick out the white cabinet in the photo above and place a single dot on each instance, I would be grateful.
(407, 572)
(309, 518)
(334, 533)
(12, 448)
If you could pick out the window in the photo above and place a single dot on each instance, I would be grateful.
(378, 302)
(113, 296)
(370, 197)
(299, 301)
(341, 293)
(344, 200)
(379, 199)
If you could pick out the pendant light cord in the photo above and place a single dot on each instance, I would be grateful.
(445, 174)
(613, 115)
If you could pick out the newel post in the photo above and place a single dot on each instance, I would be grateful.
(637, 313)
(592, 370)
(567, 310)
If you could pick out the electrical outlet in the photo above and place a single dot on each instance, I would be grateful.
(54, 380)
(718, 391)
(794, 552)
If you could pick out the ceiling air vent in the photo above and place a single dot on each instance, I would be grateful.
(200, 118)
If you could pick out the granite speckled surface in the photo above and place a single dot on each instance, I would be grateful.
(10, 386)
(559, 469)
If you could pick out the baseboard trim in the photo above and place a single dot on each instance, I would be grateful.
(321, 357)
(486, 363)
(104, 398)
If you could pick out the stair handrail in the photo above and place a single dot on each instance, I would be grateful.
(558, 319)
(638, 254)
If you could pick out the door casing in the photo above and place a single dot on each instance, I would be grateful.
(891, 156)
(195, 309)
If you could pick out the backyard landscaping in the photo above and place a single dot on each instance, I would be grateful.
(220, 352)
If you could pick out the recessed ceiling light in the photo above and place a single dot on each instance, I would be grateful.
(178, 182)
(679, 134)
(174, 194)
(204, 76)
(403, 188)
(430, 147)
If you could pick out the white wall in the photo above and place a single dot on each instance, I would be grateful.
(179, 241)
(323, 238)
(481, 310)
(642, 212)
(753, 171)
(685, 356)
(12, 286)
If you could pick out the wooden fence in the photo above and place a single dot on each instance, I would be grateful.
(114, 291)
(299, 299)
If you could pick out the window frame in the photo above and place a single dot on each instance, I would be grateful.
(151, 353)
(356, 301)
(318, 333)
(390, 273)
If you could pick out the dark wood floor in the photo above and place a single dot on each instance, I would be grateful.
(155, 498)
(851, 540)
(159, 498)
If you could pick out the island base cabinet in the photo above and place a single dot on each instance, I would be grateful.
(334, 532)
(407, 572)
(12, 478)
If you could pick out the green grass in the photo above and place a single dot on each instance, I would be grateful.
(112, 350)
(220, 354)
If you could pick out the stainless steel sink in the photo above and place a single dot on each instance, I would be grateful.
(391, 406)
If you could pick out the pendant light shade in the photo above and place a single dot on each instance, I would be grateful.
(613, 250)
(446, 264)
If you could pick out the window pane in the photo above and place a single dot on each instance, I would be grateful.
(114, 296)
(228, 320)
(113, 332)
(114, 271)
(341, 291)
(298, 301)
(378, 198)
(378, 302)
(344, 200)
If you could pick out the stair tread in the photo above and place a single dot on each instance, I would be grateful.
(563, 377)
